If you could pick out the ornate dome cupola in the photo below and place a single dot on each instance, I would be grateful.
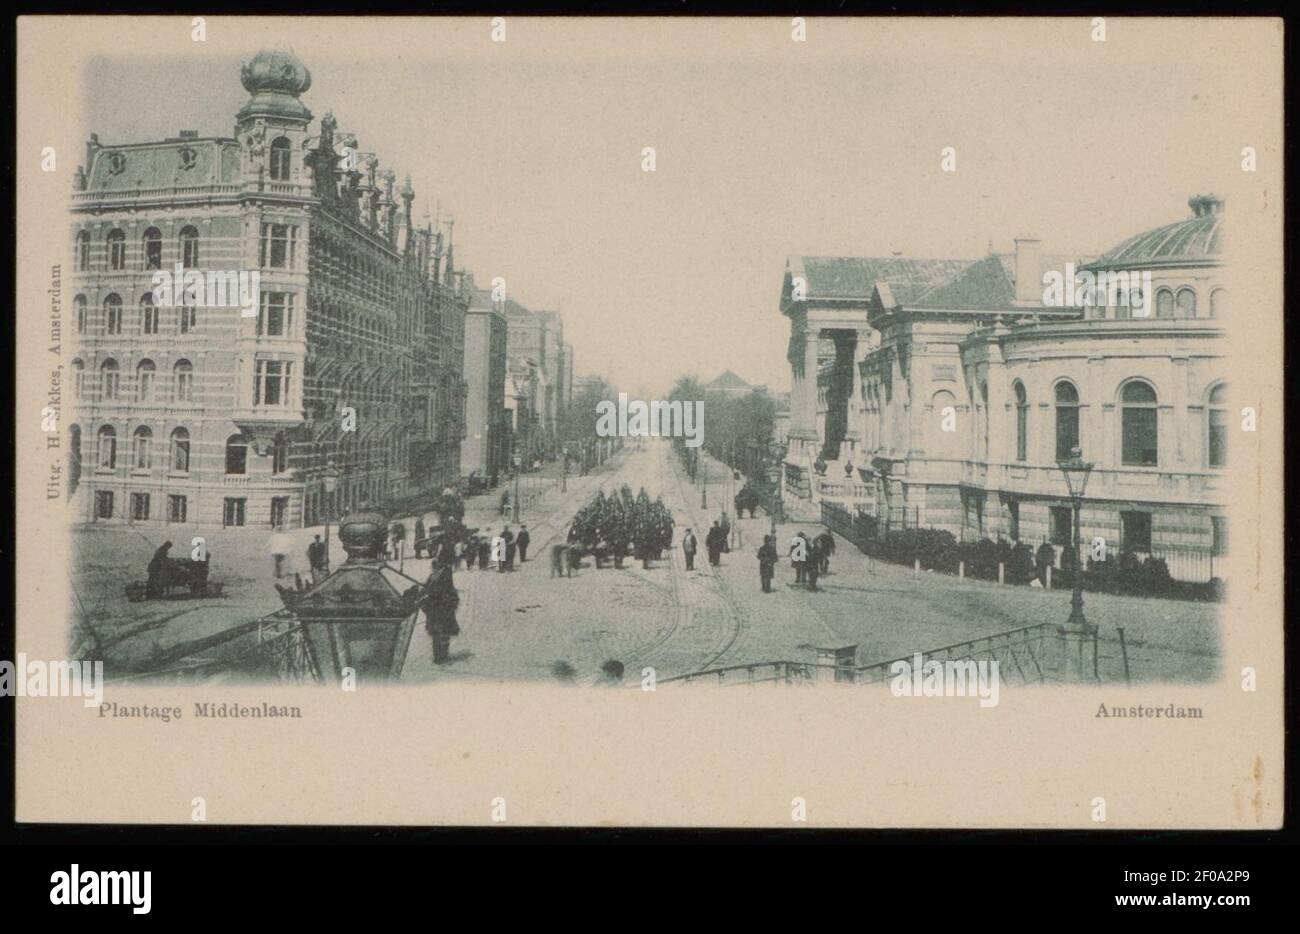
(275, 79)
(1205, 205)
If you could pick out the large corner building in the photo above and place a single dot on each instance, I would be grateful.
(348, 358)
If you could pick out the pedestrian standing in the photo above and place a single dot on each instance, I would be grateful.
(419, 536)
(506, 559)
(317, 560)
(689, 546)
(158, 570)
(522, 540)
(813, 564)
(767, 562)
(826, 548)
(440, 603)
(799, 556)
(484, 552)
(714, 541)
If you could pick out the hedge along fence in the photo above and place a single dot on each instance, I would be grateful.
(939, 550)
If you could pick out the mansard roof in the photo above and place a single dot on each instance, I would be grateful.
(987, 283)
(853, 278)
(172, 163)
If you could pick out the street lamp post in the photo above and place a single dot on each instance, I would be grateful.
(774, 475)
(515, 506)
(1077, 471)
(1076, 630)
(330, 476)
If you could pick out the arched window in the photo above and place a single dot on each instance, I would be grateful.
(144, 380)
(113, 314)
(1216, 426)
(189, 240)
(180, 453)
(79, 303)
(1067, 420)
(1164, 303)
(148, 315)
(280, 160)
(947, 440)
(109, 380)
(1218, 303)
(183, 381)
(1186, 303)
(236, 455)
(78, 378)
(116, 249)
(107, 450)
(1139, 423)
(1022, 420)
(152, 242)
(142, 449)
(83, 251)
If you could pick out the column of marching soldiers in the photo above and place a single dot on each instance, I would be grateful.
(609, 529)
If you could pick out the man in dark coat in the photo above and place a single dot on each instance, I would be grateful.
(767, 562)
(157, 566)
(522, 540)
(714, 542)
(813, 566)
(440, 603)
(317, 560)
(419, 537)
(826, 548)
(484, 552)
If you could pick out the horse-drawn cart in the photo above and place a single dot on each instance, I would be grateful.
(170, 574)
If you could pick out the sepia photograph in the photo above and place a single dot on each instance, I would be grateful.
(807, 382)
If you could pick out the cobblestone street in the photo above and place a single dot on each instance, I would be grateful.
(523, 624)
(520, 624)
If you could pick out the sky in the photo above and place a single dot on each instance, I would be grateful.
(764, 148)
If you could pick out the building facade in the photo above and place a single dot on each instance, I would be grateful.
(975, 389)
(201, 410)
(537, 356)
(488, 428)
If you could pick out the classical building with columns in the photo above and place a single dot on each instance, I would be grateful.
(948, 404)
(349, 353)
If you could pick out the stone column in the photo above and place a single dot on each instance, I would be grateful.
(804, 431)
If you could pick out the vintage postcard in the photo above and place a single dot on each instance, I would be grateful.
(769, 422)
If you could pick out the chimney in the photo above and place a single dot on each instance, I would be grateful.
(1029, 270)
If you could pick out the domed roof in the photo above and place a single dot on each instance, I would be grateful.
(275, 70)
(275, 78)
(1194, 241)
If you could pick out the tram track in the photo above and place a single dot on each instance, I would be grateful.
(684, 612)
